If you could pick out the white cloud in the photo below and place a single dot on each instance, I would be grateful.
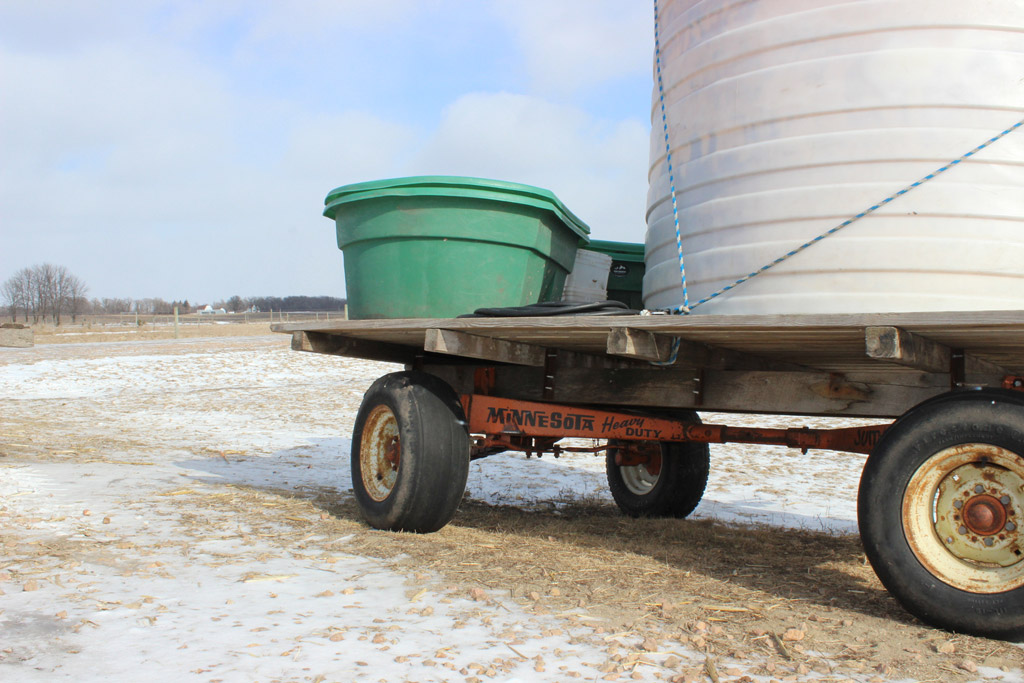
(61, 26)
(597, 168)
(112, 120)
(137, 133)
(273, 20)
(147, 157)
(575, 44)
(345, 148)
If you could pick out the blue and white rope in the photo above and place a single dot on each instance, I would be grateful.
(686, 307)
(673, 354)
(668, 161)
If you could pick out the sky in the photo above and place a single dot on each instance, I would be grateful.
(182, 149)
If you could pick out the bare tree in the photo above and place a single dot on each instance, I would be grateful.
(44, 291)
(59, 291)
(15, 293)
(19, 294)
(236, 304)
(76, 296)
(153, 306)
(9, 292)
(107, 305)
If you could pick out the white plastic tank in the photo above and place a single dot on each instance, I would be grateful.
(787, 117)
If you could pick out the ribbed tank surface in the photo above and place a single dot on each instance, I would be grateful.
(788, 117)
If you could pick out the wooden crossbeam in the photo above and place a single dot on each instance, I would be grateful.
(906, 348)
(453, 343)
(912, 350)
(499, 350)
(629, 342)
(337, 345)
(644, 345)
(801, 393)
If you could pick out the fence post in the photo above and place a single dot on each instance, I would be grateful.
(175, 322)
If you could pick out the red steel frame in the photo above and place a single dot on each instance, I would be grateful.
(509, 424)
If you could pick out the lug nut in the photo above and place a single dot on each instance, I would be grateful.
(1005, 500)
(979, 489)
(962, 530)
(1010, 526)
(958, 504)
(989, 541)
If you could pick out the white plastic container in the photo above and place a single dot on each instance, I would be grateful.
(588, 280)
(787, 117)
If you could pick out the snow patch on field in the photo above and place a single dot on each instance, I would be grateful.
(107, 572)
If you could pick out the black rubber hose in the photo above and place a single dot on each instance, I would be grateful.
(550, 308)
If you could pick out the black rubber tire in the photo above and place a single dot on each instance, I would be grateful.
(992, 416)
(680, 484)
(434, 453)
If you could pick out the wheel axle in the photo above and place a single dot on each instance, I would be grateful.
(984, 515)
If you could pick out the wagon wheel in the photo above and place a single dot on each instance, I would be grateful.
(657, 479)
(410, 453)
(940, 505)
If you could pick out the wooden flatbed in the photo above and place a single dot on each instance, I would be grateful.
(873, 365)
(941, 497)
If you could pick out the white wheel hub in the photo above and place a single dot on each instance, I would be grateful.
(640, 479)
(961, 516)
(380, 451)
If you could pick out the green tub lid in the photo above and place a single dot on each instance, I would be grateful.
(456, 186)
(619, 251)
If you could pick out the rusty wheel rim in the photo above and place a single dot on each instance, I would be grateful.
(640, 479)
(961, 517)
(380, 452)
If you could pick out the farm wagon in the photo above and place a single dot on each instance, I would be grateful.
(942, 490)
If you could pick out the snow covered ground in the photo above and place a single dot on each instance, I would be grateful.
(119, 563)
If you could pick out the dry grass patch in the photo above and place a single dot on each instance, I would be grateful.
(791, 602)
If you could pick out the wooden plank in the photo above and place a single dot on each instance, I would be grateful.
(906, 348)
(596, 386)
(826, 342)
(801, 365)
(796, 393)
(854, 395)
(913, 350)
(336, 345)
(674, 324)
(339, 345)
(634, 343)
(454, 343)
(630, 342)
(727, 359)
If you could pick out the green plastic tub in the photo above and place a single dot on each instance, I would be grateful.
(441, 246)
(626, 277)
